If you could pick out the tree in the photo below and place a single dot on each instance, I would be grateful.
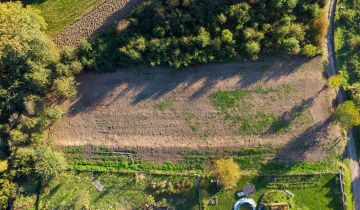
(227, 172)
(227, 36)
(240, 13)
(7, 190)
(252, 48)
(48, 163)
(291, 46)
(203, 38)
(347, 114)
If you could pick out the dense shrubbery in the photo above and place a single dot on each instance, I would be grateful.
(180, 33)
(347, 46)
(31, 70)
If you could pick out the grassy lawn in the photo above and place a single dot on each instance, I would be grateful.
(243, 108)
(313, 192)
(76, 190)
(60, 13)
(131, 191)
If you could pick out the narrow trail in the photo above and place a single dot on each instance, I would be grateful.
(351, 148)
(107, 13)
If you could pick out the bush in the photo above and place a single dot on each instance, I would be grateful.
(48, 163)
(65, 86)
(319, 26)
(227, 172)
(310, 50)
(337, 81)
(347, 114)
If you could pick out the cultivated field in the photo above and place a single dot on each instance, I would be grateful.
(276, 103)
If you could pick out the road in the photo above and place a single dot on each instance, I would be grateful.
(351, 148)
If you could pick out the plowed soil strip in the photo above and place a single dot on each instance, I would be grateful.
(109, 12)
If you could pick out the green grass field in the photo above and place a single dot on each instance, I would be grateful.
(75, 190)
(313, 192)
(250, 161)
(60, 13)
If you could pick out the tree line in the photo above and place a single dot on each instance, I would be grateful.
(347, 47)
(180, 33)
(32, 73)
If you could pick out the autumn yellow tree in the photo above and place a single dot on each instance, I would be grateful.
(227, 172)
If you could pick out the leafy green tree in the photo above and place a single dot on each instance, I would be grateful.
(347, 114)
(291, 46)
(227, 36)
(134, 49)
(240, 13)
(7, 191)
(227, 172)
(252, 48)
(203, 38)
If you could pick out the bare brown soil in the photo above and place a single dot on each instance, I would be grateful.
(163, 110)
(107, 13)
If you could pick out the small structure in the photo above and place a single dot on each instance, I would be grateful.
(240, 194)
(276, 200)
(98, 185)
(249, 189)
(276, 206)
(250, 203)
(213, 200)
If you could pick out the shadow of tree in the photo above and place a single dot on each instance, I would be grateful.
(153, 83)
(297, 147)
(335, 195)
(287, 118)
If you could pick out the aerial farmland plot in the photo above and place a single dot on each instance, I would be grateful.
(239, 105)
(179, 104)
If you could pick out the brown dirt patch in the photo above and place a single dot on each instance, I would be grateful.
(156, 109)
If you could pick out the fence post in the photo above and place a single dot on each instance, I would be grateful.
(343, 194)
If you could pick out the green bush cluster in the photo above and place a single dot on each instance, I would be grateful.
(179, 33)
(33, 73)
(347, 46)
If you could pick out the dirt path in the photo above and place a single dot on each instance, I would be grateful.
(352, 151)
(110, 11)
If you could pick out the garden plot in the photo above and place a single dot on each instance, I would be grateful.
(280, 103)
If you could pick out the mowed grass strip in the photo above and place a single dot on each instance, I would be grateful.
(59, 14)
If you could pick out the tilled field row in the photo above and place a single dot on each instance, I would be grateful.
(109, 12)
